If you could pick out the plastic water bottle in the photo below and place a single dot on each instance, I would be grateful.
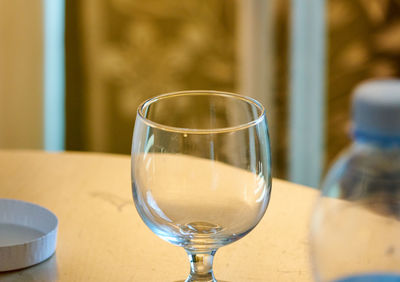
(355, 227)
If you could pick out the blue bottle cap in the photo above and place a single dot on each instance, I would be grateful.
(376, 111)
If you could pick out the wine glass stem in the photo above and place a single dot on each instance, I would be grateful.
(201, 266)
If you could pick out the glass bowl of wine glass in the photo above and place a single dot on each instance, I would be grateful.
(201, 171)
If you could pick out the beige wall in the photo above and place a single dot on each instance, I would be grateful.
(21, 74)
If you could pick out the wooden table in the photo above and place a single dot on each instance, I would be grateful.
(102, 238)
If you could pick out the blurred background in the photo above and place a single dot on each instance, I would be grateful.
(72, 73)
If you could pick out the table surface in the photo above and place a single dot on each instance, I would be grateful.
(102, 238)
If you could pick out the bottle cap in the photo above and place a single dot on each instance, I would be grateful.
(376, 111)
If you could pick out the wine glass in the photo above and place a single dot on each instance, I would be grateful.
(201, 171)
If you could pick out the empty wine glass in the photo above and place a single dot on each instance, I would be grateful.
(201, 171)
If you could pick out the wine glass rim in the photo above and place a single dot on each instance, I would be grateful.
(249, 100)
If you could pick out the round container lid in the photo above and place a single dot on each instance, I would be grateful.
(28, 234)
(376, 110)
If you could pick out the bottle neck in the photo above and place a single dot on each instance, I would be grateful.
(376, 140)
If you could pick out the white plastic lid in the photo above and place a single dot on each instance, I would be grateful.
(28, 234)
(376, 110)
